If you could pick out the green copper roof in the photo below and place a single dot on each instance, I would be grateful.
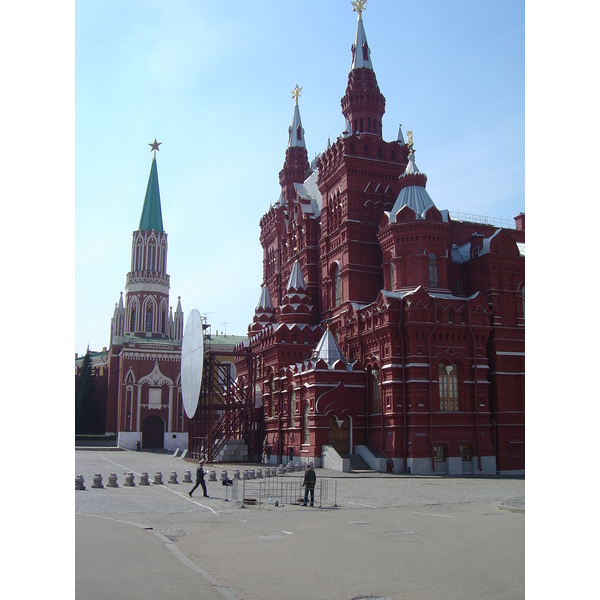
(151, 213)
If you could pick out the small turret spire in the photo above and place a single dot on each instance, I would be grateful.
(296, 131)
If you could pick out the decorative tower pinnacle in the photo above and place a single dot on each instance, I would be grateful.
(363, 105)
(296, 165)
(147, 284)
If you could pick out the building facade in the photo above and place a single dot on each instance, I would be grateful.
(384, 326)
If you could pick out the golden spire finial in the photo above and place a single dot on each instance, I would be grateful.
(359, 6)
(410, 138)
(296, 93)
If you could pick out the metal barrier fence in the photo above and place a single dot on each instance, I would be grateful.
(281, 490)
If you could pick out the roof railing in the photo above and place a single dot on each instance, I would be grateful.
(481, 220)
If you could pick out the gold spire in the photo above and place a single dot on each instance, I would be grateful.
(296, 93)
(359, 6)
(410, 138)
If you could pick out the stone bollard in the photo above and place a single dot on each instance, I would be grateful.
(259, 474)
(129, 480)
(158, 480)
(245, 474)
(281, 470)
(289, 468)
(273, 471)
(97, 481)
(144, 479)
(223, 475)
(212, 475)
(173, 478)
(187, 477)
(236, 474)
(112, 480)
(79, 482)
(252, 474)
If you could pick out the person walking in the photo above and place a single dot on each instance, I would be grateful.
(199, 480)
(310, 479)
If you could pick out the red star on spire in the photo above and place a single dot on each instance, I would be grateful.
(154, 146)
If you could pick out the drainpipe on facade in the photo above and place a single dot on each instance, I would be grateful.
(435, 324)
(476, 377)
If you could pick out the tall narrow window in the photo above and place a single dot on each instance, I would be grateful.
(448, 384)
(337, 285)
(365, 51)
(392, 280)
(132, 320)
(433, 271)
(272, 388)
(138, 258)
(375, 392)
(299, 133)
(149, 319)
(306, 431)
(151, 256)
(292, 407)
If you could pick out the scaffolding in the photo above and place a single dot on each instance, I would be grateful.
(225, 411)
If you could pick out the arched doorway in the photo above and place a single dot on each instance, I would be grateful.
(153, 432)
(339, 434)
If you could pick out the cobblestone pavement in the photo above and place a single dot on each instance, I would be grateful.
(377, 535)
(346, 490)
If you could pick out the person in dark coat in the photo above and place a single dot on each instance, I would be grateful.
(310, 479)
(199, 480)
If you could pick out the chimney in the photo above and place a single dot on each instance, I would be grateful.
(520, 221)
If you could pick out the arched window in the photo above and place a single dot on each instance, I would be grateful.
(433, 270)
(151, 256)
(392, 280)
(375, 392)
(448, 384)
(306, 431)
(272, 388)
(132, 321)
(337, 286)
(138, 257)
(149, 319)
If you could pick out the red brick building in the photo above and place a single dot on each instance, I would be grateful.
(385, 327)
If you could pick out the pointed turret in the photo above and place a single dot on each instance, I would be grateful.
(363, 105)
(296, 165)
(117, 323)
(295, 306)
(412, 193)
(328, 350)
(178, 321)
(264, 313)
(361, 53)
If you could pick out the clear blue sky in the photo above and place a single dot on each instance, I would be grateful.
(212, 82)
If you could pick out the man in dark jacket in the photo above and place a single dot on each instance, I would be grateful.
(310, 479)
(199, 480)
